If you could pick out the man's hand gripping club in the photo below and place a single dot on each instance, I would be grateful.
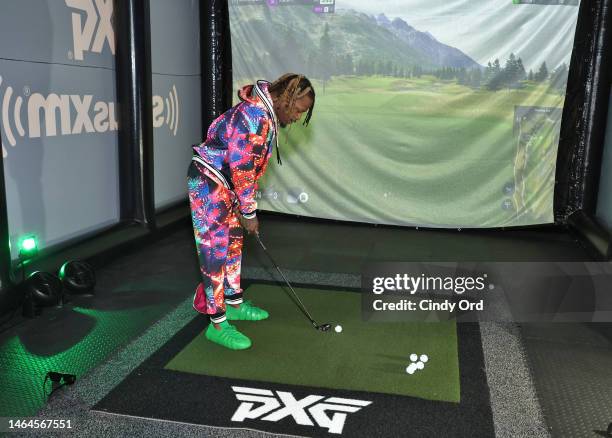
(251, 225)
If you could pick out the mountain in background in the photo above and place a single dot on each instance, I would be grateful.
(270, 41)
(439, 54)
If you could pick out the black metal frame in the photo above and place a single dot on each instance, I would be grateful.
(215, 60)
(583, 128)
(134, 98)
(5, 249)
(584, 121)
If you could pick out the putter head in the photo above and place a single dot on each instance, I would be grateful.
(324, 327)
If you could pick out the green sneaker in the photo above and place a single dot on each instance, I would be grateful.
(246, 312)
(227, 337)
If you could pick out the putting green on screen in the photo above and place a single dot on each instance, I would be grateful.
(365, 356)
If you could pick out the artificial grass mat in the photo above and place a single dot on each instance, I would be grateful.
(365, 356)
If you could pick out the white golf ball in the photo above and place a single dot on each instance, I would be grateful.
(424, 358)
(410, 369)
(420, 365)
(338, 328)
(414, 357)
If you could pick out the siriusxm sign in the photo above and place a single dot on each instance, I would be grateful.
(59, 106)
(91, 26)
(35, 115)
(28, 114)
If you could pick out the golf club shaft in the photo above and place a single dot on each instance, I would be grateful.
(302, 306)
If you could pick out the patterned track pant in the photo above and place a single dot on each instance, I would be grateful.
(218, 238)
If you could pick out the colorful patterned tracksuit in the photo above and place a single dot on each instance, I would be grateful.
(223, 177)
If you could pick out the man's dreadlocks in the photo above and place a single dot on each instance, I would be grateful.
(292, 87)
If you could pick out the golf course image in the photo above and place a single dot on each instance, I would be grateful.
(417, 151)
(417, 121)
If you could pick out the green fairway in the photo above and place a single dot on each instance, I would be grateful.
(417, 151)
(366, 356)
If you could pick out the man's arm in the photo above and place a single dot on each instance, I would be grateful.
(246, 145)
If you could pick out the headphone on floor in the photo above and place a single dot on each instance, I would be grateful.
(77, 276)
(44, 288)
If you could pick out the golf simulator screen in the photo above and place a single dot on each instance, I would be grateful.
(440, 113)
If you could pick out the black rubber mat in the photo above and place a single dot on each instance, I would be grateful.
(151, 391)
(344, 247)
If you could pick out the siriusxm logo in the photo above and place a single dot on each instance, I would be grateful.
(168, 113)
(35, 115)
(97, 28)
(263, 404)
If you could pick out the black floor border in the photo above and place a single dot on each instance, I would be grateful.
(207, 400)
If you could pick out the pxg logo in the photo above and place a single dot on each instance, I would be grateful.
(76, 114)
(273, 408)
(97, 29)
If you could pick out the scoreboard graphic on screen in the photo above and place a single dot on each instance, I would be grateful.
(318, 6)
(537, 133)
(547, 2)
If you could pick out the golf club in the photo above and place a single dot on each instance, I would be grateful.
(322, 327)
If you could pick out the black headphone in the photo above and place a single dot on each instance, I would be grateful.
(77, 276)
(45, 288)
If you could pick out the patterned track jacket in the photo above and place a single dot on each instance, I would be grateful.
(239, 144)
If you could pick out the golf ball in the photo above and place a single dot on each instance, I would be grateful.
(414, 357)
(338, 328)
(410, 369)
(424, 358)
(420, 365)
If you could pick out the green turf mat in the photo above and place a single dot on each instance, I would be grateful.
(366, 356)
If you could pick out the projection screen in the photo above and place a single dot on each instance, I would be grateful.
(440, 113)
